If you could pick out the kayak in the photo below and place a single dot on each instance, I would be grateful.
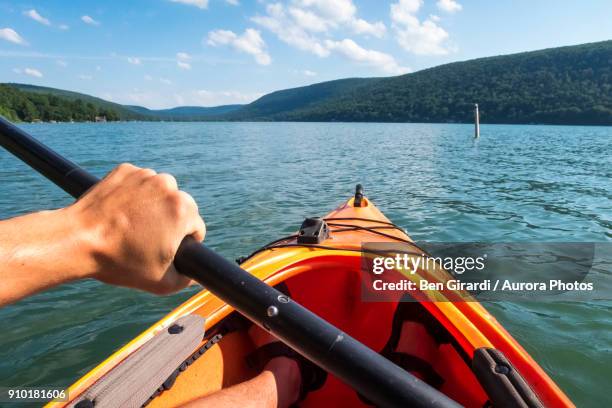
(202, 346)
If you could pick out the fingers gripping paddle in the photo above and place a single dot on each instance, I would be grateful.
(376, 378)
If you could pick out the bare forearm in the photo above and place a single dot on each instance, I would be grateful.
(124, 231)
(42, 250)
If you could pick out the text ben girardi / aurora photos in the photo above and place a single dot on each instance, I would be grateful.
(410, 263)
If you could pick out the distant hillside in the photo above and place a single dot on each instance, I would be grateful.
(187, 113)
(277, 104)
(57, 104)
(22, 102)
(567, 85)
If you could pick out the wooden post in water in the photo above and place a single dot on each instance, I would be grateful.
(476, 122)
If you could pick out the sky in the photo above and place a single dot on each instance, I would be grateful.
(166, 53)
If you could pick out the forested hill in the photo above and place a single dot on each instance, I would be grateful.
(20, 102)
(567, 85)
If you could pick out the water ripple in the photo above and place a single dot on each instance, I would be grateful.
(255, 182)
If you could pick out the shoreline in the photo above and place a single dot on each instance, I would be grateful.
(320, 122)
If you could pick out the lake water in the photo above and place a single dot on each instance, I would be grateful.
(255, 182)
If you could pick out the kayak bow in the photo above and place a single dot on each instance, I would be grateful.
(325, 278)
(201, 346)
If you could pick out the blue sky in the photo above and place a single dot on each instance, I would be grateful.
(164, 53)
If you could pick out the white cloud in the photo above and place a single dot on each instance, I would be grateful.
(181, 60)
(85, 77)
(334, 11)
(98, 68)
(308, 20)
(308, 25)
(165, 81)
(434, 18)
(300, 23)
(148, 77)
(33, 14)
(376, 29)
(134, 60)
(61, 63)
(354, 52)
(252, 43)
(404, 9)
(88, 20)
(421, 38)
(64, 27)
(233, 2)
(33, 72)
(309, 73)
(289, 31)
(183, 65)
(249, 42)
(218, 37)
(450, 6)
(17, 71)
(202, 4)
(11, 35)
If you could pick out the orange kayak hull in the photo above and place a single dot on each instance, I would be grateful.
(327, 281)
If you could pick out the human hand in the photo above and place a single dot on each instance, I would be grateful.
(136, 220)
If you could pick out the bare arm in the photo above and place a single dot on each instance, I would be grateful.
(125, 231)
(277, 386)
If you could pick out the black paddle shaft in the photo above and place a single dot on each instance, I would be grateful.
(375, 377)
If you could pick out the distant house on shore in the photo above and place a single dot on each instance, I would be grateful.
(100, 118)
